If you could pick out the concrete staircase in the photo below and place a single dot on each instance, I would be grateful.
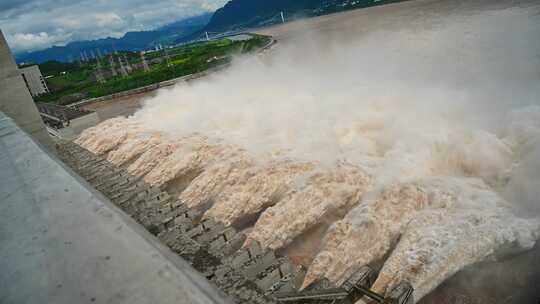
(248, 275)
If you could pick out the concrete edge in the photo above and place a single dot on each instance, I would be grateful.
(205, 287)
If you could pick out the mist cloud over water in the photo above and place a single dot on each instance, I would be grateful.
(406, 102)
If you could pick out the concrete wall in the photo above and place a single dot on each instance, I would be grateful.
(63, 242)
(15, 100)
(76, 126)
(34, 80)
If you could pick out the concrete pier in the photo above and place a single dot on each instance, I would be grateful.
(15, 99)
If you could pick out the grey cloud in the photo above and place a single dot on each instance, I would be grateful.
(10, 4)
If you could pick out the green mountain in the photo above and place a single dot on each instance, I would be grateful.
(242, 14)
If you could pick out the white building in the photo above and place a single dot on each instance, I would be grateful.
(34, 80)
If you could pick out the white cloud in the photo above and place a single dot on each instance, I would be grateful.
(108, 19)
(211, 6)
(36, 24)
(28, 41)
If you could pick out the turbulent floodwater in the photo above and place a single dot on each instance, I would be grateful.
(406, 136)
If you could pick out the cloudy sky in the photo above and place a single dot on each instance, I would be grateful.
(37, 24)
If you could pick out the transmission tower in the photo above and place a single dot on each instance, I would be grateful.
(128, 66)
(123, 70)
(99, 73)
(144, 63)
(113, 68)
(167, 58)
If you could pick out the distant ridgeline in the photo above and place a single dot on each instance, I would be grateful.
(253, 13)
(236, 14)
(132, 41)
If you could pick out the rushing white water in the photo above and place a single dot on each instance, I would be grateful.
(439, 242)
(132, 149)
(422, 138)
(118, 131)
(324, 198)
(264, 188)
(367, 233)
(216, 178)
(152, 157)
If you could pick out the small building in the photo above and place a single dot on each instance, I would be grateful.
(34, 80)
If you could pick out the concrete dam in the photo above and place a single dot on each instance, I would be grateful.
(385, 155)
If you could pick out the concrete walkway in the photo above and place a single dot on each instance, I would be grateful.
(62, 242)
